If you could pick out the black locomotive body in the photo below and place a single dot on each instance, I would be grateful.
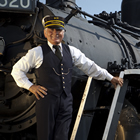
(105, 39)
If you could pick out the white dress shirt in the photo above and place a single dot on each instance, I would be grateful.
(34, 59)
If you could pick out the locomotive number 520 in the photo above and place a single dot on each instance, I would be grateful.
(15, 3)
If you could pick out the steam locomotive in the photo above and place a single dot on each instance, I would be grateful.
(111, 40)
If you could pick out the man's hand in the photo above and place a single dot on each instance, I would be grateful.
(38, 90)
(117, 80)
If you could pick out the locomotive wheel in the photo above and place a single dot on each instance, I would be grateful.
(17, 105)
(120, 134)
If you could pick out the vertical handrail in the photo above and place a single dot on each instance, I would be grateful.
(80, 111)
(112, 109)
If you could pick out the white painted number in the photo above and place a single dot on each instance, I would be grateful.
(25, 6)
(4, 4)
(13, 5)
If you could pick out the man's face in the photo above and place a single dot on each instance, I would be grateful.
(54, 36)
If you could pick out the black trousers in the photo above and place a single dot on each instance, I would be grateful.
(54, 116)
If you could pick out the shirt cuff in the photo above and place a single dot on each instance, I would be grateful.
(109, 77)
(27, 85)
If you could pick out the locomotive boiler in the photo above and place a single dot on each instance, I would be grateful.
(112, 40)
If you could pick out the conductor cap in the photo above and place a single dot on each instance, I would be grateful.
(55, 22)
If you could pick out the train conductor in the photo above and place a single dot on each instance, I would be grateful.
(53, 62)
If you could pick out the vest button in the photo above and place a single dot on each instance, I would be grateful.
(63, 86)
(63, 77)
(61, 68)
(63, 82)
(61, 64)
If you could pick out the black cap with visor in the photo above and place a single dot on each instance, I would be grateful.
(54, 22)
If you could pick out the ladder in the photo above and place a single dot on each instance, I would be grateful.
(84, 120)
(80, 112)
(116, 106)
(114, 113)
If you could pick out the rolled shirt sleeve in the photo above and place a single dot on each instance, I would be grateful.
(88, 66)
(33, 59)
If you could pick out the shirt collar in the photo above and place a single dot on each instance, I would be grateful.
(51, 46)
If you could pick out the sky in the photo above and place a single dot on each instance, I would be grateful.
(97, 6)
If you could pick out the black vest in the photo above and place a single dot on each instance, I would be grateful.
(53, 74)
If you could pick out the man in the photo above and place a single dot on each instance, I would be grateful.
(53, 62)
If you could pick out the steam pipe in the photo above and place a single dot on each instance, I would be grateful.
(106, 22)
